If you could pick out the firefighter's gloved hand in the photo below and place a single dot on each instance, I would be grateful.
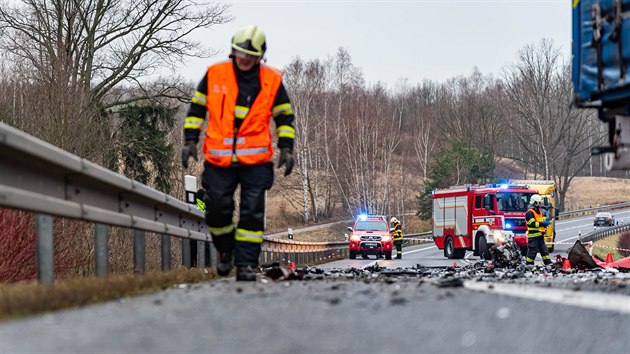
(286, 158)
(190, 149)
(545, 223)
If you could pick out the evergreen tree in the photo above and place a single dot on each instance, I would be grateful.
(455, 164)
(143, 152)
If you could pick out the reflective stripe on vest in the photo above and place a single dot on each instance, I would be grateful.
(239, 152)
(536, 231)
(398, 232)
(251, 144)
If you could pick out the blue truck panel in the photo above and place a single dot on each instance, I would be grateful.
(601, 52)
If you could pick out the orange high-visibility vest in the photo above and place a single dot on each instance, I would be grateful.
(251, 144)
(532, 229)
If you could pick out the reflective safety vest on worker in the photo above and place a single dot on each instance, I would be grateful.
(397, 234)
(534, 229)
(251, 143)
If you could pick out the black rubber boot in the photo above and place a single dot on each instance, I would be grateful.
(245, 273)
(225, 264)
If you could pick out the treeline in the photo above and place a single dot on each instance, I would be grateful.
(82, 75)
(371, 148)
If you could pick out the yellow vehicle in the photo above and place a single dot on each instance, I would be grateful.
(546, 189)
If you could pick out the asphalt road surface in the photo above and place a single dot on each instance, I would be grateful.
(342, 315)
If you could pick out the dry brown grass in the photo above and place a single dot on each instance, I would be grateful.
(609, 243)
(26, 298)
(592, 191)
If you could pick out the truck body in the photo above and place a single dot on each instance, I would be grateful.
(600, 71)
(547, 190)
(601, 52)
(473, 217)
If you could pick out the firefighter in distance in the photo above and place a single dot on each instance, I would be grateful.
(536, 225)
(397, 236)
(239, 96)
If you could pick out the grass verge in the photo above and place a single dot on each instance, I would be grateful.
(28, 298)
(610, 242)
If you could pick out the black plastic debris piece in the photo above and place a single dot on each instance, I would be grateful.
(450, 282)
(579, 257)
(374, 268)
(398, 301)
(334, 301)
(277, 272)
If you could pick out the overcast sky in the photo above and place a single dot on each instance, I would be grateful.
(389, 40)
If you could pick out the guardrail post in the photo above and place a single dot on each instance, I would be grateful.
(101, 249)
(138, 251)
(45, 248)
(186, 252)
(201, 253)
(213, 255)
(166, 252)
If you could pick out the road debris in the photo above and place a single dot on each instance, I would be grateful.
(584, 273)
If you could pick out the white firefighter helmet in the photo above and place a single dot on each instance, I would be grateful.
(535, 200)
(249, 40)
(393, 220)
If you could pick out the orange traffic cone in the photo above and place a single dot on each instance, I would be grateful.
(292, 266)
(609, 258)
(454, 264)
(566, 265)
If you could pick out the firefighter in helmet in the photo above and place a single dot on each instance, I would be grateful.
(536, 225)
(397, 236)
(239, 96)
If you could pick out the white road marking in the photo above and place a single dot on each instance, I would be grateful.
(584, 299)
(421, 249)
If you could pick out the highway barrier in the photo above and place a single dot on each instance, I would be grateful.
(605, 232)
(42, 178)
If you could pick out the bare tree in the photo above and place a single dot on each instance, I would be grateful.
(74, 61)
(469, 111)
(529, 86)
(307, 82)
(423, 122)
(554, 135)
(98, 44)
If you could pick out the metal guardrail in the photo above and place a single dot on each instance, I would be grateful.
(605, 232)
(588, 211)
(39, 177)
(299, 252)
(42, 178)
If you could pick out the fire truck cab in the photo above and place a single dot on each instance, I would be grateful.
(472, 217)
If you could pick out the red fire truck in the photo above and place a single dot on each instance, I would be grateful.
(472, 217)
